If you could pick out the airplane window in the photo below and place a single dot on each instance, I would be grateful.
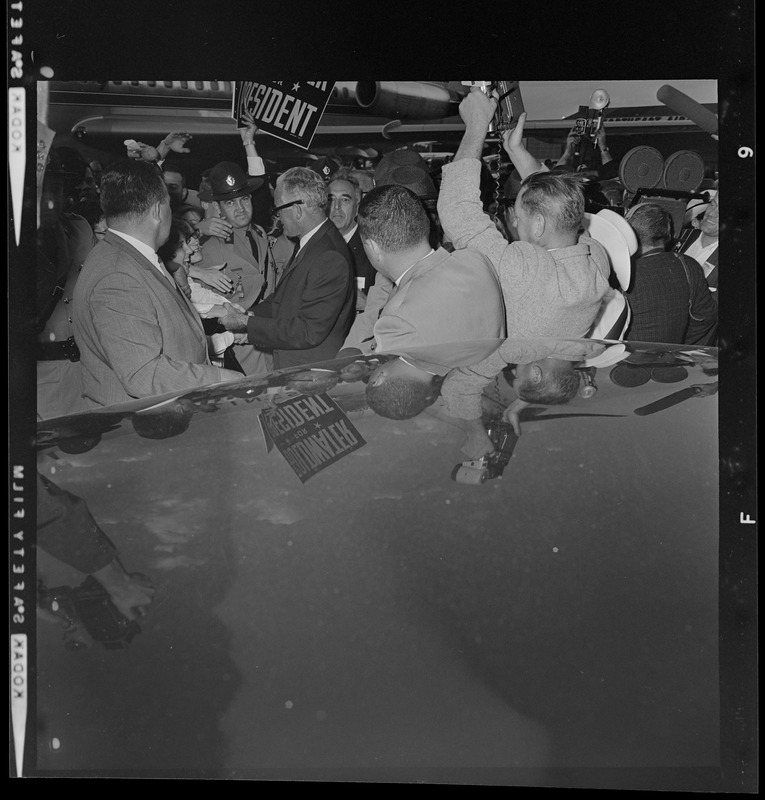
(214, 85)
(199, 84)
(135, 83)
(169, 84)
(184, 84)
(151, 83)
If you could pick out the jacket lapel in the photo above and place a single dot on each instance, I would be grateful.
(301, 253)
(171, 286)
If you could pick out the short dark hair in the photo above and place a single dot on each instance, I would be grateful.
(399, 398)
(559, 385)
(652, 224)
(130, 188)
(558, 198)
(170, 166)
(394, 217)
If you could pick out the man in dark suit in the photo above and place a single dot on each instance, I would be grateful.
(669, 298)
(309, 314)
(137, 333)
(345, 194)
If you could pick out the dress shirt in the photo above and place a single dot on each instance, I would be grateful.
(306, 236)
(146, 251)
(701, 254)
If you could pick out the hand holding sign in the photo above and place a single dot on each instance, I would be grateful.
(288, 110)
(248, 131)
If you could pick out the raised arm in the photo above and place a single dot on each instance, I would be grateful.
(522, 160)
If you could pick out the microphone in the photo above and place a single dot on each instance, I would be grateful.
(680, 103)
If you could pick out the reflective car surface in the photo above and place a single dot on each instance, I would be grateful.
(354, 601)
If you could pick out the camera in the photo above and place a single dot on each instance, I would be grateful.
(587, 123)
(509, 102)
(90, 604)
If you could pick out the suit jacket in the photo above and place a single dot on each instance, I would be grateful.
(310, 312)
(661, 295)
(446, 297)
(361, 266)
(137, 333)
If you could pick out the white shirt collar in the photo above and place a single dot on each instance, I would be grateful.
(144, 250)
(306, 236)
(401, 276)
(347, 236)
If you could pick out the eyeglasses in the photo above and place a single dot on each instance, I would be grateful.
(276, 209)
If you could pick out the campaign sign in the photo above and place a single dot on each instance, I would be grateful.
(289, 110)
(311, 432)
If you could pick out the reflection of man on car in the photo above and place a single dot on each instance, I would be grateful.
(540, 370)
(67, 531)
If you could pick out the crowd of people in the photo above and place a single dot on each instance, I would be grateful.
(147, 285)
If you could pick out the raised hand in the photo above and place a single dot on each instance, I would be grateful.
(215, 226)
(513, 139)
(477, 109)
(176, 141)
(249, 130)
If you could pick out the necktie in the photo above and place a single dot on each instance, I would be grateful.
(292, 257)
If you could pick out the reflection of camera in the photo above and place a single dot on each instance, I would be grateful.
(90, 604)
(490, 466)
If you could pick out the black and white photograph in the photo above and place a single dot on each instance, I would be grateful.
(383, 432)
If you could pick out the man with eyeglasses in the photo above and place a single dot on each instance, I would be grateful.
(248, 265)
(309, 313)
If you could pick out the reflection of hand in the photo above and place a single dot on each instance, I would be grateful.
(130, 593)
(513, 139)
(213, 277)
(477, 444)
(214, 226)
(512, 413)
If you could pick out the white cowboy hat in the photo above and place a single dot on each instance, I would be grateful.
(618, 239)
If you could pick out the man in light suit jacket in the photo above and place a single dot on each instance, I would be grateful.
(137, 333)
(307, 317)
(422, 297)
